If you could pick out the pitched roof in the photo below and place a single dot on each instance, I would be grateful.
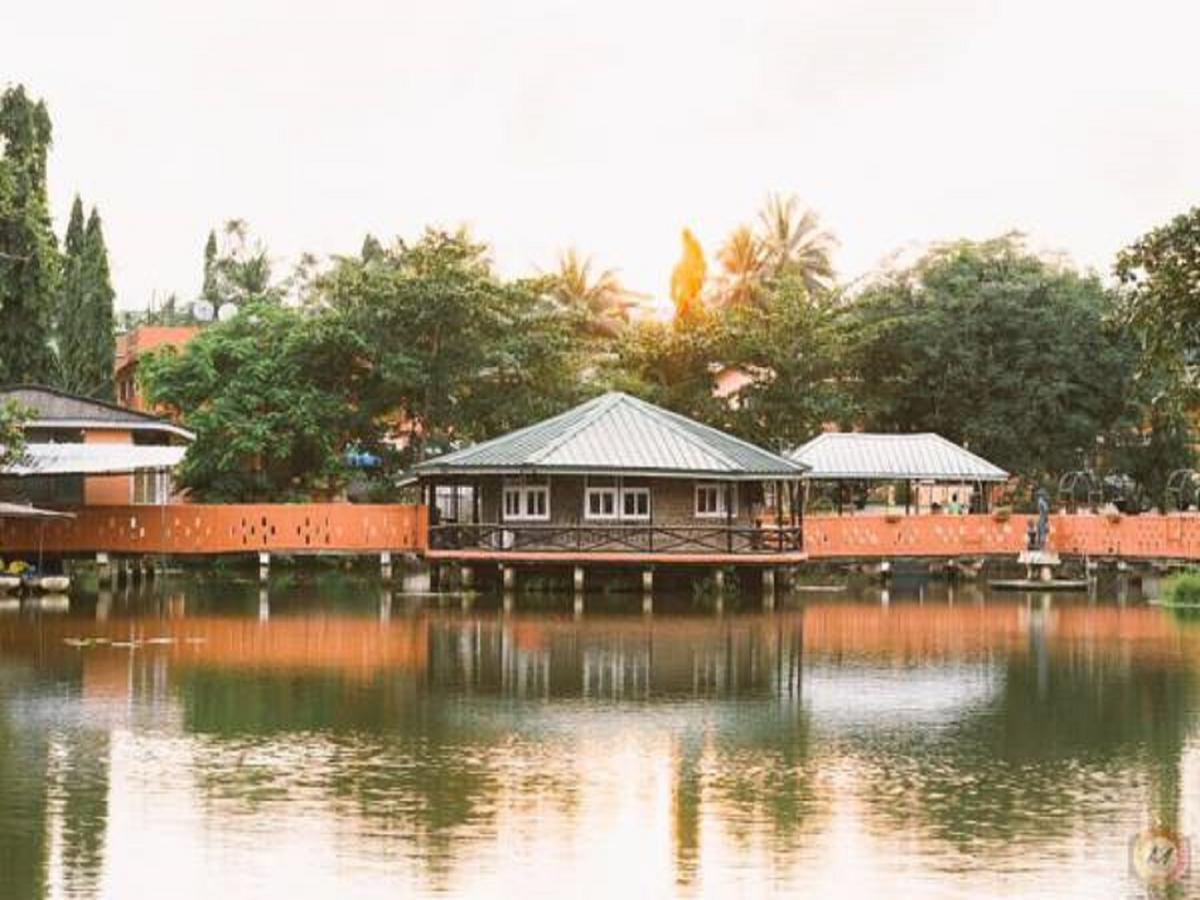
(55, 408)
(616, 433)
(94, 459)
(900, 457)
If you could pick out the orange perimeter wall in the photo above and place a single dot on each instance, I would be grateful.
(1148, 537)
(362, 528)
(227, 528)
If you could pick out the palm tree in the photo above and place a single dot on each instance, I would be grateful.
(794, 242)
(598, 297)
(742, 258)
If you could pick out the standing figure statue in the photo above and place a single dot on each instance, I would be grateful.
(1043, 525)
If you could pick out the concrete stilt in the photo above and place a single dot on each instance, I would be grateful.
(885, 597)
(104, 601)
(264, 566)
(466, 577)
(510, 601)
(385, 565)
(509, 576)
(647, 591)
(385, 606)
(768, 586)
(578, 605)
(264, 605)
(104, 571)
(579, 579)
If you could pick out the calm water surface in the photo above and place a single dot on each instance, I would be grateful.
(328, 738)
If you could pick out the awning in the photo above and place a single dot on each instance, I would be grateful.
(94, 459)
(21, 511)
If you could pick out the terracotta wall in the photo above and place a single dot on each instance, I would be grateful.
(108, 490)
(227, 528)
(1150, 537)
(361, 528)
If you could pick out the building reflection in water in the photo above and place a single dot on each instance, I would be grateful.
(446, 749)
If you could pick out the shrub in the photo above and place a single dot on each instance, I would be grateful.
(1183, 589)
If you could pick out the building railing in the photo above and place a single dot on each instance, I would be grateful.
(617, 538)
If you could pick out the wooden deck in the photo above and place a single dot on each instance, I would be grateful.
(616, 557)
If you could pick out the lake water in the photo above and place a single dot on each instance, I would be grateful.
(329, 738)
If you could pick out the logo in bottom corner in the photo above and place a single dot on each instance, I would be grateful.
(1159, 856)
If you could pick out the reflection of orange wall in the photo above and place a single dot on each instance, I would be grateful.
(108, 490)
(225, 528)
(352, 646)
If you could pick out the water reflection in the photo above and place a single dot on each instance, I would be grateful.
(959, 744)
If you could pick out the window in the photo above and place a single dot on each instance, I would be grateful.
(529, 502)
(600, 503)
(151, 487)
(710, 500)
(616, 503)
(635, 503)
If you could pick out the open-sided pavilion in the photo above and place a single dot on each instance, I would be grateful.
(924, 463)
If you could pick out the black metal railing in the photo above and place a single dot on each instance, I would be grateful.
(599, 538)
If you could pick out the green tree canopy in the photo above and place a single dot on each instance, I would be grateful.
(274, 396)
(1161, 274)
(457, 353)
(788, 346)
(13, 419)
(85, 314)
(29, 264)
(996, 349)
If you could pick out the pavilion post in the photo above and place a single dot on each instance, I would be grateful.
(728, 516)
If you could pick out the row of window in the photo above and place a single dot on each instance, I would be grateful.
(628, 504)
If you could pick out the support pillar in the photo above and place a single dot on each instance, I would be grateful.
(647, 591)
(104, 570)
(768, 587)
(264, 566)
(385, 565)
(578, 581)
(508, 578)
(466, 577)
(264, 605)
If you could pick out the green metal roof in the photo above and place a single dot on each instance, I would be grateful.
(900, 457)
(616, 433)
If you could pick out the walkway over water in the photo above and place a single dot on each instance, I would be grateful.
(196, 529)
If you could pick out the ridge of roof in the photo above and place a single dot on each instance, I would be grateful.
(588, 413)
(682, 425)
(80, 398)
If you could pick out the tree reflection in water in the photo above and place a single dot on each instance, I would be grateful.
(441, 742)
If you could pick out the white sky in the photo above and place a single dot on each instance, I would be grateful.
(609, 125)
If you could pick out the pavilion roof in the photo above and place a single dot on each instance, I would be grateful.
(853, 456)
(618, 434)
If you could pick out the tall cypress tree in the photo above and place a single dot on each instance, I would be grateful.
(29, 263)
(96, 369)
(209, 290)
(72, 324)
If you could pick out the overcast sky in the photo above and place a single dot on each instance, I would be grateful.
(609, 125)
